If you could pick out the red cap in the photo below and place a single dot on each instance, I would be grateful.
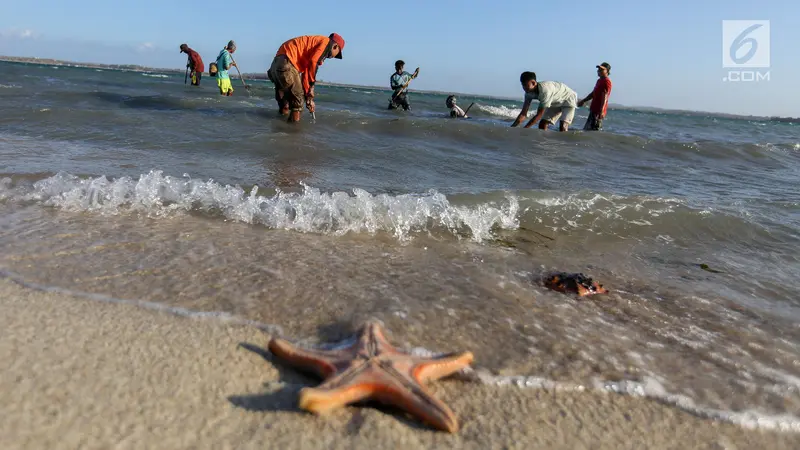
(339, 41)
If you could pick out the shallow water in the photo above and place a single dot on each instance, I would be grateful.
(140, 188)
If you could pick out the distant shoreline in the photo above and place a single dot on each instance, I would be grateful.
(246, 76)
(263, 76)
(56, 62)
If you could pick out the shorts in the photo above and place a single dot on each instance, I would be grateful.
(196, 78)
(554, 113)
(225, 87)
(288, 84)
(594, 122)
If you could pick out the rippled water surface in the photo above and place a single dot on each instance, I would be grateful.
(135, 187)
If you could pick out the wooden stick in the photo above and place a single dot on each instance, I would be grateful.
(240, 75)
(470, 106)
(416, 72)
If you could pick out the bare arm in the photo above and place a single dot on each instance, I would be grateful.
(536, 118)
(586, 99)
(522, 114)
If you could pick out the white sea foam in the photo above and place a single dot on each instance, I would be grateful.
(155, 75)
(334, 213)
(338, 213)
(502, 111)
(508, 112)
(649, 387)
(583, 210)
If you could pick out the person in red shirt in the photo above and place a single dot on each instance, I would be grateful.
(294, 71)
(599, 98)
(195, 64)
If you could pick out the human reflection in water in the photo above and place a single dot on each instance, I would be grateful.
(289, 176)
(288, 171)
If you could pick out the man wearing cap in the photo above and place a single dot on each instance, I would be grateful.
(194, 63)
(599, 98)
(294, 71)
(225, 62)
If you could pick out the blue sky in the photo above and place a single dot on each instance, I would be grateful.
(663, 54)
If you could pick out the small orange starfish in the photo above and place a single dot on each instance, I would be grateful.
(372, 369)
(574, 283)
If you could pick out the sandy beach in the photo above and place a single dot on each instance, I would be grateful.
(79, 373)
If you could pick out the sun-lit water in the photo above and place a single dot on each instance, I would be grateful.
(135, 187)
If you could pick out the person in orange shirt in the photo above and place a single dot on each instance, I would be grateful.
(294, 71)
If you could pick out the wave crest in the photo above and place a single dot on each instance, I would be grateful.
(334, 213)
(502, 111)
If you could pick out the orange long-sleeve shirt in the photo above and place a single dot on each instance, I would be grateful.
(305, 53)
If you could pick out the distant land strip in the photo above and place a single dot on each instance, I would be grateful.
(263, 76)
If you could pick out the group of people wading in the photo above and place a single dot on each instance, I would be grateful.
(294, 68)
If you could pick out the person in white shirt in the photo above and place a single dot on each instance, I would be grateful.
(455, 110)
(556, 101)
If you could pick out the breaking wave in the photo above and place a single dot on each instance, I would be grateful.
(478, 217)
(311, 211)
(501, 111)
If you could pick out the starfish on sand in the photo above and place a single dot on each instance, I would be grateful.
(372, 369)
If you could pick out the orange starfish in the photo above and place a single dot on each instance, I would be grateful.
(575, 283)
(372, 369)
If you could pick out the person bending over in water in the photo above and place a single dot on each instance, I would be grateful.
(194, 63)
(555, 100)
(455, 110)
(294, 71)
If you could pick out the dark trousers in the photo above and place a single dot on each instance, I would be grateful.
(401, 101)
(593, 122)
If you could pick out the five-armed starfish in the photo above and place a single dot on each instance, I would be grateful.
(372, 369)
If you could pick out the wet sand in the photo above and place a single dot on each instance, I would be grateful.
(78, 373)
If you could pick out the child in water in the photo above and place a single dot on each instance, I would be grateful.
(455, 110)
